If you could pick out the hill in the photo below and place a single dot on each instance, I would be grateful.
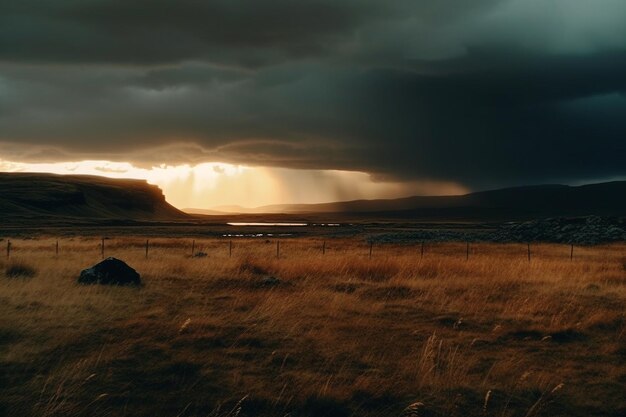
(37, 197)
(603, 199)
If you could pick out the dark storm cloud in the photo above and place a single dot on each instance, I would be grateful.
(484, 93)
(239, 32)
(165, 31)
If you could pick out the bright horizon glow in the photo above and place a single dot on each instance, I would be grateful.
(215, 184)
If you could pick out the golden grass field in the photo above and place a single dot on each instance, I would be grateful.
(341, 335)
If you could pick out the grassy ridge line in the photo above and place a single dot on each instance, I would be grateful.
(30, 196)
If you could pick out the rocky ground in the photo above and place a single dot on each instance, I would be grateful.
(590, 230)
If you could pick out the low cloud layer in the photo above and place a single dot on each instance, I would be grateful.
(482, 93)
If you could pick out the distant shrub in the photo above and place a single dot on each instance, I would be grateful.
(20, 270)
(249, 265)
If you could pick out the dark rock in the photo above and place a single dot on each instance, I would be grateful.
(111, 271)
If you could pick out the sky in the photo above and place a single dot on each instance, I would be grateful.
(252, 102)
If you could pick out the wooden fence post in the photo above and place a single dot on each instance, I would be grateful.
(422, 250)
(102, 248)
(147, 247)
(193, 247)
(467, 252)
(528, 251)
(571, 253)
(324, 248)
(8, 248)
(230, 248)
(57, 248)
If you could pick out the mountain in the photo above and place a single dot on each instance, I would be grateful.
(35, 197)
(48, 198)
(604, 199)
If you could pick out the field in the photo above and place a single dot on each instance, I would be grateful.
(339, 333)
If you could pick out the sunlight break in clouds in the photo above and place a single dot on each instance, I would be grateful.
(218, 184)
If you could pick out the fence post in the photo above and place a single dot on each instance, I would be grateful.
(102, 248)
(467, 252)
(324, 248)
(193, 247)
(57, 248)
(371, 246)
(8, 248)
(422, 251)
(528, 251)
(278, 249)
(230, 248)
(147, 247)
(571, 253)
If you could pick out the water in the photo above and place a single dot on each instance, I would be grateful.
(267, 224)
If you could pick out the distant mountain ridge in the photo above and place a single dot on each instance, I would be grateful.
(603, 199)
(36, 198)
(42, 197)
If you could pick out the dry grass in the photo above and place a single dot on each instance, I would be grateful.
(340, 335)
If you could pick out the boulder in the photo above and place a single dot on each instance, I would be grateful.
(111, 271)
